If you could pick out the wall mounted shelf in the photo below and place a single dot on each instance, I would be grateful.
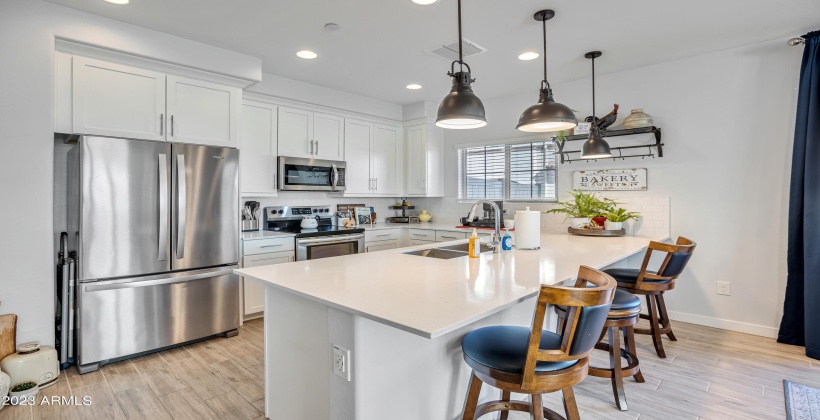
(565, 154)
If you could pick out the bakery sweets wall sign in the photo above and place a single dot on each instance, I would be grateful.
(610, 180)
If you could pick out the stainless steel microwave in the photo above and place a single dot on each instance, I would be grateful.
(300, 174)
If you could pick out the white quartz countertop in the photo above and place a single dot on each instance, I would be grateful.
(431, 297)
(264, 234)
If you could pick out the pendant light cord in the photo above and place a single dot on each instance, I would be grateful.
(594, 123)
(460, 55)
(546, 83)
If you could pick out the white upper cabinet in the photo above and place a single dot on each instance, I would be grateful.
(295, 132)
(202, 112)
(258, 148)
(372, 153)
(328, 136)
(387, 165)
(424, 165)
(119, 101)
(358, 138)
(310, 134)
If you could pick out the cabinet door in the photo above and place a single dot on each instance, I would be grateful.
(386, 164)
(295, 133)
(202, 112)
(117, 101)
(258, 148)
(381, 246)
(358, 178)
(254, 289)
(416, 160)
(328, 137)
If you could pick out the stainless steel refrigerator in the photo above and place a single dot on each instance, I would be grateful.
(156, 230)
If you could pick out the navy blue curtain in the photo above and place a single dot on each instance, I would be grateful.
(801, 313)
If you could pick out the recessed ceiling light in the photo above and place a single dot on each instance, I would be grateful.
(309, 55)
(118, 1)
(413, 86)
(529, 55)
(332, 27)
(425, 2)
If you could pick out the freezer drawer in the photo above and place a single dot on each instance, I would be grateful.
(122, 317)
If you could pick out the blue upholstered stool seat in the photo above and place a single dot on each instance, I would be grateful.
(505, 348)
(624, 300)
(630, 275)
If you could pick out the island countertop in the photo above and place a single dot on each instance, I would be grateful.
(431, 297)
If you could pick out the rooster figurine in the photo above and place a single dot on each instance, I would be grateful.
(607, 120)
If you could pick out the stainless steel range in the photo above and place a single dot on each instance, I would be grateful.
(316, 235)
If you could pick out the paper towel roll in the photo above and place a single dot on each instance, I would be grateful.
(528, 229)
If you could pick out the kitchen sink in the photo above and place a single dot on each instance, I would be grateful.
(466, 248)
(447, 252)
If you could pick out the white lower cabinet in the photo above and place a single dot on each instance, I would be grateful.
(254, 291)
(382, 245)
(445, 236)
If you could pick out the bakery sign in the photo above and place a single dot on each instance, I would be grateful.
(610, 180)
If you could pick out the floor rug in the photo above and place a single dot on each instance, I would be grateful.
(802, 402)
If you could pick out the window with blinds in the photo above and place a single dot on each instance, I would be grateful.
(523, 171)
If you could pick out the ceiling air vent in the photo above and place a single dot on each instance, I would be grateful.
(450, 50)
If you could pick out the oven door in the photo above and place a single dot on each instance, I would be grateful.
(329, 246)
(298, 174)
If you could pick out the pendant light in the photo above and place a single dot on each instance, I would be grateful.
(461, 109)
(547, 115)
(595, 147)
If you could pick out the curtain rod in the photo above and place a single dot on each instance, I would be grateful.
(796, 41)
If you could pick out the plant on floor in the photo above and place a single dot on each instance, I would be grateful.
(582, 208)
(23, 386)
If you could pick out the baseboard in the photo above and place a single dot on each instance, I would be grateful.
(724, 324)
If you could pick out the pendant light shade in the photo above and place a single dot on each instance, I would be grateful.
(461, 108)
(547, 115)
(595, 147)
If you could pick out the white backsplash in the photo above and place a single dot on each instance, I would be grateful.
(656, 210)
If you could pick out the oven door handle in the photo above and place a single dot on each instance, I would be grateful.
(331, 240)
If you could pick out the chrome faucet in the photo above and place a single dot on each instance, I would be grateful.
(496, 243)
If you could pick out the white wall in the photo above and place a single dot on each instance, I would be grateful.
(27, 32)
(727, 121)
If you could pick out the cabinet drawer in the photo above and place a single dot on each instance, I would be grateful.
(416, 242)
(268, 259)
(382, 245)
(382, 235)
(444, 236)
(422, 235)
(263, 246)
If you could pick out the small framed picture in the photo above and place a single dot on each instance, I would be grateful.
(363, 215)
(582, 128)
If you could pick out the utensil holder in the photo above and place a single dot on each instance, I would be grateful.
(250, 225)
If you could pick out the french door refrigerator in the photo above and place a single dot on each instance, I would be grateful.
(156, 230)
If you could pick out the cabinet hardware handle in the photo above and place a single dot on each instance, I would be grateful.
(448, 237)
(161, 124)
(419, 234)
(377, 184)
(172, 126)
(311, 147)
(270, 246)
(317, 146)
(382, 236)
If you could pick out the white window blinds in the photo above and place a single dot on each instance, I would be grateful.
(523, 171)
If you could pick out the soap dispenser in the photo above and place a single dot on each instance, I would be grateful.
(475, 245)
(506, 241)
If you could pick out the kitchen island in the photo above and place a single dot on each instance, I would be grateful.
(401, 317)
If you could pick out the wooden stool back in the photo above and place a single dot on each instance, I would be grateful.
(677, 256)
(587, 309)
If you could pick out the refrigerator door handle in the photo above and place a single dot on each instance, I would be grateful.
(182, 200)
(155, 280)
(162, 242)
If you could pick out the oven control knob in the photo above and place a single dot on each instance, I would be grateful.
(281, 212)
(316, 210)
(325, 210)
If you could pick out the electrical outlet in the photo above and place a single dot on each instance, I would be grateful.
(341, 362)
(724, 288)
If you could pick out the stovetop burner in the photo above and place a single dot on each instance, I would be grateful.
(289, 219)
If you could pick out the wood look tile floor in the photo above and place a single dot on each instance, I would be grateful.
(708, 374)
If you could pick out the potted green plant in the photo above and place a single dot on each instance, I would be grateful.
(582, 208)
(615, 218)
(22, 392)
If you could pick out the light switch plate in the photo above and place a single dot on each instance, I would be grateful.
(341, 362)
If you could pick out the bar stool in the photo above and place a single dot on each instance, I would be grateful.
(622, 317)
(533, 361)
(653, 284)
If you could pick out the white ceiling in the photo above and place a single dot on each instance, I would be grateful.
(380, 46)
